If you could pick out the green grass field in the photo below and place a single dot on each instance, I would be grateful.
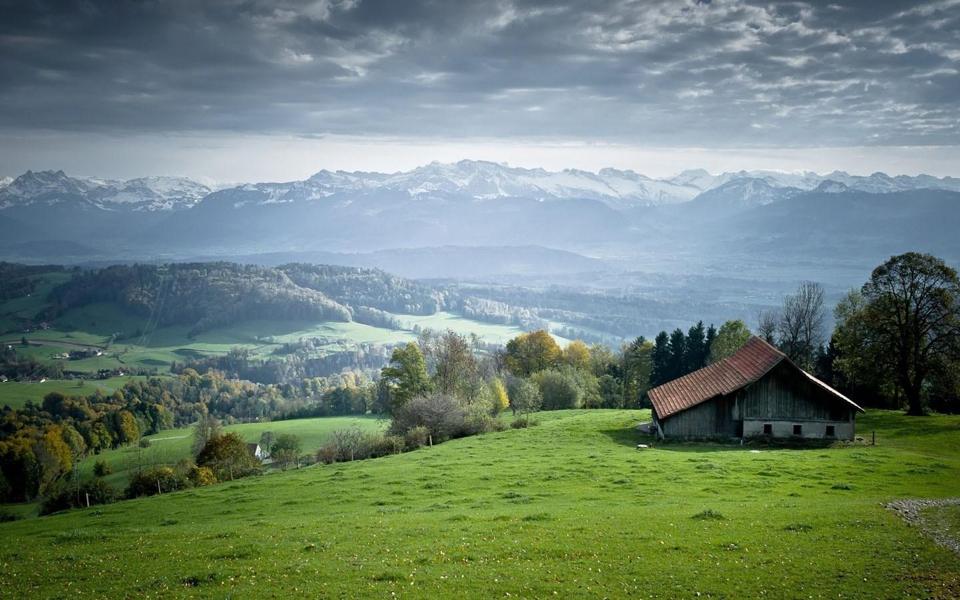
(172, 445)
(570, 508)
(15, 394)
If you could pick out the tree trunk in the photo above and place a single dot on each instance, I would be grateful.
(914, 401)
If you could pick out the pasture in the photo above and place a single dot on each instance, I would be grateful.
(16, 393)
(569, 508)
(172, 445)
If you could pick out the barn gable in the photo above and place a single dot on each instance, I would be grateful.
(756, 391)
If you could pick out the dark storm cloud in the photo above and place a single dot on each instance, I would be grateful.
(698, 73)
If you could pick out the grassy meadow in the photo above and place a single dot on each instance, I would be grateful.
(16, 393)
(569, 508)
(172, 445)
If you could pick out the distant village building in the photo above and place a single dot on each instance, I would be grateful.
(757, 392)
(256, 451)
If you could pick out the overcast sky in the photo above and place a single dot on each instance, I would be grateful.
(241, 90)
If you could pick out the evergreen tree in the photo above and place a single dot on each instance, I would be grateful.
(678, 354)
(696, 348)
(711, 335)
(660, 373)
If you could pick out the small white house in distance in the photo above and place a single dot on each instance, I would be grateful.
(756, 392)
(256, 451)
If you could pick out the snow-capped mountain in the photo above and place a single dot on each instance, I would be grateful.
(743, 193)
(465, 180)
(482, 180)
(151, 193)
(48, 188)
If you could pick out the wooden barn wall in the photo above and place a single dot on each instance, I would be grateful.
(712, 418)
(782, 396)
(788, 396)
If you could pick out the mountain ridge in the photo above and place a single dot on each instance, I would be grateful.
(471, 179)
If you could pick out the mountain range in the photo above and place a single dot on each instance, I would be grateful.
(438, 216)
(477, 180)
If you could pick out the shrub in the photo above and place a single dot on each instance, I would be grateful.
(286, 449)
(522, 422)
(201, 476)
(102, 468)
(441, 414)
(478, 420)
(327, 454)
(154, 481)
(144, 443)
(416, 437)
(67, 496)
(559, 390)
(6, 517)
(385, 445)
(228, 457)
(525, 396)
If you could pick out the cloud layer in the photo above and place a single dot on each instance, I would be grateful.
(705, 74)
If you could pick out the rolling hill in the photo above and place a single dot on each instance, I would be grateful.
(567, 508)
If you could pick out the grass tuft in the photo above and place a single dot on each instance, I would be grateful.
(709, 515)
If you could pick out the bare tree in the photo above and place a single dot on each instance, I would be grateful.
(800, 328)
(767, 322)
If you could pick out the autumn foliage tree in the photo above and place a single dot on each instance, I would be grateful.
(531, 352)
(228, 457)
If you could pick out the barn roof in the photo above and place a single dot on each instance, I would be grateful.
(744, 367)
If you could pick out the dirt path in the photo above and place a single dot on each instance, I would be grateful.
(911, 511)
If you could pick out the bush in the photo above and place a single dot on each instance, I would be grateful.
(559, 391)
(228, 457)
(525, 396)
(6, 517)
(102, 468)
(385, 445)
(67, 496)
(478, 420)
(154, 481)
(327, 454)
(416, 437)
(567, 387)
(441, 414)
(352, 444)
(522, 422)
(144, 443)
(201, 476)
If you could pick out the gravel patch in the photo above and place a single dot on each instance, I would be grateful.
(911, 511)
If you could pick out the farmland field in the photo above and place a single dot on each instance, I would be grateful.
(15, 393)
(569, 508)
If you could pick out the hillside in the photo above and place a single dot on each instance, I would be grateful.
(287, 322)
(567, 508)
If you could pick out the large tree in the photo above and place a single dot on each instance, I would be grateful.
(531, 352)
(906, 322)
(406, 375)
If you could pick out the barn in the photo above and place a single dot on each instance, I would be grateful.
(756, 392)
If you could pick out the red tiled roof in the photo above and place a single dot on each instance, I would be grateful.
(745, 366)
